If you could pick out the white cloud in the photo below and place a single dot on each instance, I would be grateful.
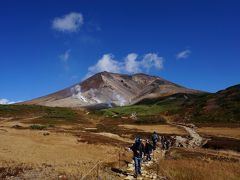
(6, 101)
(106, 63)
(152, 60)
(131, 64)
(71, 22)
(65, 56)
(183, 54)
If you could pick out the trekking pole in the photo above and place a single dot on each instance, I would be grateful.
(97, 171)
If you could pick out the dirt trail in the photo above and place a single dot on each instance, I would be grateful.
(196, 140)
(146, 172)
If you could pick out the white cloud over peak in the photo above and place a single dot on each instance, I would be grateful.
(6, 101)
(71, 22)
(183, 54)
(131, 64)
(106, 63)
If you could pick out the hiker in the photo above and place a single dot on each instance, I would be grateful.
(168, 144)
(163, 142)
(138, 150)
(148, 150)
(154, 139)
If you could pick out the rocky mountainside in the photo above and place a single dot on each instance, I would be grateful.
(111, 89)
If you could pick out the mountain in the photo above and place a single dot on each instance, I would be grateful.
(112, 89)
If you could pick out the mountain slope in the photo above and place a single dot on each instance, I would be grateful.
(112, 89)
(220, 107)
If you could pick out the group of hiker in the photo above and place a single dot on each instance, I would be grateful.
(141, 149)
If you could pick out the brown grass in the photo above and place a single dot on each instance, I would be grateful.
(71, 151)
(163, 129)
(199, 164)
(220, 131)
(59, 150)
(190, 169)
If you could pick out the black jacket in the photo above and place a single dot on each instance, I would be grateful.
(148, 148)
(138, 149)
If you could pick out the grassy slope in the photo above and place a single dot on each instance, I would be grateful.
(44, 114)
(147, 112)
(221, 107)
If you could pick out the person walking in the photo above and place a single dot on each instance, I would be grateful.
(138, 150)
(155, 140)
(148, 150)
(163, 139)
(168, 143)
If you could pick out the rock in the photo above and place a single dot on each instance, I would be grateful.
(17, 126)
(46, 133)
(129, 177)
(163, 177)
(130, 165)
(62, 177)
(79, 140)
(147, 165)
(181, 142)
(131, 169)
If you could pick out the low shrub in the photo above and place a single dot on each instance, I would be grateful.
(38, 127)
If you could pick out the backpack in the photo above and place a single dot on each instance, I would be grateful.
(155, 137)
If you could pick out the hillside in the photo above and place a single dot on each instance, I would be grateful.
(222, 106)
(219, 107)
(42, 114)
(111, 89)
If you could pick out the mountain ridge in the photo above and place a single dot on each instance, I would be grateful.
(111, 89)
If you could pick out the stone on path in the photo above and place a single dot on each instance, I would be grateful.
(129, 177)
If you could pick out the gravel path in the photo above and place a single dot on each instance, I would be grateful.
(196, 140)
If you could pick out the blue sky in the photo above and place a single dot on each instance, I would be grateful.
(49, 45)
